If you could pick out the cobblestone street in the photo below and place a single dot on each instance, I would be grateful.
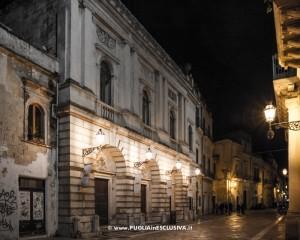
(255, 225)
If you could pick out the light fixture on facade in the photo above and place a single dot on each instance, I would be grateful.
(100, 139)
(177, 168)
(148, 157)
(233, 184)
(270, 113)
(197, 171)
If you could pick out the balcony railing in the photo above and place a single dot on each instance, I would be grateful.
(109, 113)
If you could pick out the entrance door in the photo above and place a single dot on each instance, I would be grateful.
(32, 206)
(213, 200)
(143, 198)
(101, 200)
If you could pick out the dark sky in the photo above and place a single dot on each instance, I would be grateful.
(230, 46)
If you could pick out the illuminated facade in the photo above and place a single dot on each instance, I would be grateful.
(242, 177)
(115, 77)
(286, 89)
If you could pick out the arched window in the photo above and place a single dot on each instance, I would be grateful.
(146, 108)
(190, 138)
(172, 124)
(105, 83)
(36, 123)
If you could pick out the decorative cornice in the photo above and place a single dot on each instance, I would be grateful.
(106, 39)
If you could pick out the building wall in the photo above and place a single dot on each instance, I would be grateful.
(25, 74)
(35, 22)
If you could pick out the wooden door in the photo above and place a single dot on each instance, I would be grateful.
(101, 200)
(143, 198)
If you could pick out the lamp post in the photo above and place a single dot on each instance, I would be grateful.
(270, 113)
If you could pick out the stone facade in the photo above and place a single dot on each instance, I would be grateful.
(243, 177)
(148, 102)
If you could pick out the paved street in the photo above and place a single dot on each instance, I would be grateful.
(255, 225)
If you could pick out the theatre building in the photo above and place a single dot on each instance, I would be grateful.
(134, 135)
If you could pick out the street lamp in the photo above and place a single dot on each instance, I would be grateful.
(270, 113)
(284, 171)
(148, 157)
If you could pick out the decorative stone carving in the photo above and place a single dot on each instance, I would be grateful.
(106, 39)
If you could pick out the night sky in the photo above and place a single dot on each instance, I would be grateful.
(230, 46)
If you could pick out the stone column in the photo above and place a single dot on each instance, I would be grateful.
(293, 215)
(293, 105)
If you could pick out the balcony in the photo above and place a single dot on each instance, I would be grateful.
(109, 113)
(280, 72)
(147, 131)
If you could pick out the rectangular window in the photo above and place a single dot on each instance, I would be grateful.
(197, 155)
(32, 206)
(197, 117)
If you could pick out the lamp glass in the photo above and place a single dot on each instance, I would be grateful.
(197, 171)
(284, 171)
(178, 165)
(149, 154)
(270, 112)
(100, 137)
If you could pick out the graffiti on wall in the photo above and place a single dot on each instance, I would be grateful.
(24, 205)
(38, 206)
(8, 206)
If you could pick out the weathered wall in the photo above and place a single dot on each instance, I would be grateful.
(34, 21)
(18, 156)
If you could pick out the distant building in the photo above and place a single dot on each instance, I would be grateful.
(242, 177)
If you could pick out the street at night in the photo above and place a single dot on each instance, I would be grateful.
(254, 225)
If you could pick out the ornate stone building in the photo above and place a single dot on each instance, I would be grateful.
(242, 177)
(116, 85)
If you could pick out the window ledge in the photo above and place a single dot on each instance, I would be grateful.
(36, 143)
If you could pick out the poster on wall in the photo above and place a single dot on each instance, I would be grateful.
(38, 206)
(24, 209)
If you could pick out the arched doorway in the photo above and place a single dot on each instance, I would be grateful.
(150, 195)
(109, 168)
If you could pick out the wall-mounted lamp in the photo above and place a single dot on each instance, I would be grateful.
(148, 157)
(178, 166)
(100, 140)
(270, 112)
